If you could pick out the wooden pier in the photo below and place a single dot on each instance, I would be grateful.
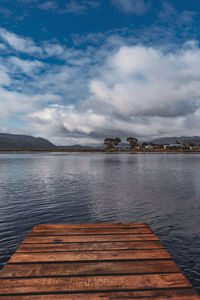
(93, 261)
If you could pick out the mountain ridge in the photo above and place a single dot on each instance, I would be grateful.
(19, 141)
(10, 141)
(173, 140)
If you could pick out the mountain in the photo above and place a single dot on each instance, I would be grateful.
(173, 140)
(75, 147)
(16, 141)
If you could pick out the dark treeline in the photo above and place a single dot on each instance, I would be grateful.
(111, 143)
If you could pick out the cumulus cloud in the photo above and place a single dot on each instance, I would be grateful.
(48, 5)
(139, 90)
(53, 49)
(25, 66)
(147, 82)
(5, 79)
(137, 7)
(68, 121)
(169, 15)
(2, 47)
(25, 45)
(13, 102)
(117, 89)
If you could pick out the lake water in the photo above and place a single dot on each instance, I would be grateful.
(160, 189)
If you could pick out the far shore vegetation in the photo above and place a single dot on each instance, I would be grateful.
(132, 145)
(115, 144)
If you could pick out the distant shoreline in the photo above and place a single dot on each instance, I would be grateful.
(100, 150)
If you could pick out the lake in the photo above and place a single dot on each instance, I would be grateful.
(160, 189)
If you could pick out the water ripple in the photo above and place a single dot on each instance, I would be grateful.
(162, 190)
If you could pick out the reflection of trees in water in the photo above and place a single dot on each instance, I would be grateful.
(137, 187)
(116, 188)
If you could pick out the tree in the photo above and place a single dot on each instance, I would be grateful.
(116, 141)
(132, 141)
(109, 142)
(144, 144)
(191, 144)
(112, 142)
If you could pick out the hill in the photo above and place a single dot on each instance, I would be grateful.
(17, 141)
(172, 140)
(75, 147)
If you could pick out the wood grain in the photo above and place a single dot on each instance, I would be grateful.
(175, 294)
(93, 225)
(90, 238)
(92, 283)
(90, 231)
(93, 261)
(89, 268)
(89, 255)
(89, 246)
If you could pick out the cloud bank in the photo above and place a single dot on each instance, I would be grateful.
(84, 95)
(136, 7)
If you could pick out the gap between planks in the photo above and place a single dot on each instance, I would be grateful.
(175, 294)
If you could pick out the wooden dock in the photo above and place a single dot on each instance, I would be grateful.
(93, 261)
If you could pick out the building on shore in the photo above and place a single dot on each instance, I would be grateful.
(173, 147)
(149, 147)
(192, 148)
(122, 146)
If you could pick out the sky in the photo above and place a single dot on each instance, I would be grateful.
(77, 71)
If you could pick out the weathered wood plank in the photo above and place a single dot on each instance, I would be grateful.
(89, 255)
(94, 225)
(90, 238)
(92, 283)
(89, 231)
(89, 246)
(93, 261)
(89, 268)
(175, 294)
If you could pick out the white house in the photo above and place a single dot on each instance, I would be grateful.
(173, 146)
(150, 147)
(194, 147)
(122, 146)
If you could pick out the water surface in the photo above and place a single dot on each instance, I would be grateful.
(160, 189)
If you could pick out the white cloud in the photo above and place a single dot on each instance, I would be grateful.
(21, 44)
(25, 66)
(28, 46)
(139, 90)
(53, 49)
(2, 46)
(137, 7)
(176, 19)
(48, 5)
(13, 102)
(143, 81)
(4, 77)
(115, 89)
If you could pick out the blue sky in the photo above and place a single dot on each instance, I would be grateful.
(76, 71)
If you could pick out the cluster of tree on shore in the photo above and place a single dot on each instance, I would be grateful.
(115, 144)
(111, 143)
